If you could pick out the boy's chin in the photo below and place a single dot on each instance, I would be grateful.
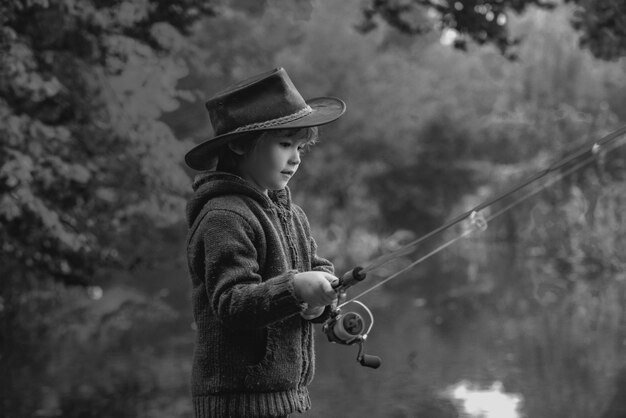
(279, 185)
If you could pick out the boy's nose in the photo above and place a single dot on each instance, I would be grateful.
(295, 158)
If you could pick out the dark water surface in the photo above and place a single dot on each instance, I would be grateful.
(559, 359)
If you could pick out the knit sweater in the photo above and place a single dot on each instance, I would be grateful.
(254, 353)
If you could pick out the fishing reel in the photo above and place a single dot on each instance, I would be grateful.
(349, 328)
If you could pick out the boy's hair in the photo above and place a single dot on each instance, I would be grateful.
(228, 161)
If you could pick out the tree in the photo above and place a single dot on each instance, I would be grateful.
(82, 87)
(601, 23)
(87, 169)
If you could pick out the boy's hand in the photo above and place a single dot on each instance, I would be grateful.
(313, 312)
(314, 288)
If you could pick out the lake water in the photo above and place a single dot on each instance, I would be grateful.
(482, 355)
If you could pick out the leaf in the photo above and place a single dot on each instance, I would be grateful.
(9, 209)
(167, 36)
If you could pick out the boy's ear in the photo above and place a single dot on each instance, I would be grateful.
(236, 147)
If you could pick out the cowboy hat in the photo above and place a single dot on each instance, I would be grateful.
(267, 101)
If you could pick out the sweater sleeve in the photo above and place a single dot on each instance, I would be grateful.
(236, 291)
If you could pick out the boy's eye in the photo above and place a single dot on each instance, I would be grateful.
(285, 144)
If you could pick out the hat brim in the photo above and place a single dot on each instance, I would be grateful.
(324, 110)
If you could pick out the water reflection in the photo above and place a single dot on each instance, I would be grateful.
(492, 402)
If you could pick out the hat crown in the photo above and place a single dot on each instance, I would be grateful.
(265, 97)
(265, 102)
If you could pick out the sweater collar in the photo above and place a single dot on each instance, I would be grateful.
(211, 184)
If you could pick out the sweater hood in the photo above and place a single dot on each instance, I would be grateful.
(212, 184)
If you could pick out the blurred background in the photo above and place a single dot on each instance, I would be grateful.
(449, 102)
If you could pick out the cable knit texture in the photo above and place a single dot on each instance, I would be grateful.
(254, 352)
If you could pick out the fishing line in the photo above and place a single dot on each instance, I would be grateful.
(579, 152)
(484, 221)
(410, 266)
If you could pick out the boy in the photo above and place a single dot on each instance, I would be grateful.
(258, 282)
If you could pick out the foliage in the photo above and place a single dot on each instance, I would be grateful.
(601, 23)
(481, 21)
(82, 85)
(102, 354)
(84, 158)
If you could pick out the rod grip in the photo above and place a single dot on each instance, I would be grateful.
(350, 278)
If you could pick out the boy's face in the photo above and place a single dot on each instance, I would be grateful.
(275, 159)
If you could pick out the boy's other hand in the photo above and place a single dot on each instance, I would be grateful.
(314, 288)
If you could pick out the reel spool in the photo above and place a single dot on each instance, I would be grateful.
(349, 329)
(346, 328)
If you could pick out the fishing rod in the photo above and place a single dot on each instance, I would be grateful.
(349, 328)
(594, 148)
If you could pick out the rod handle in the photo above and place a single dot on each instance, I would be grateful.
(350, 278)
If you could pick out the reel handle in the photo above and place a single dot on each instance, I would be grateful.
(367, 360)
(370, 361)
